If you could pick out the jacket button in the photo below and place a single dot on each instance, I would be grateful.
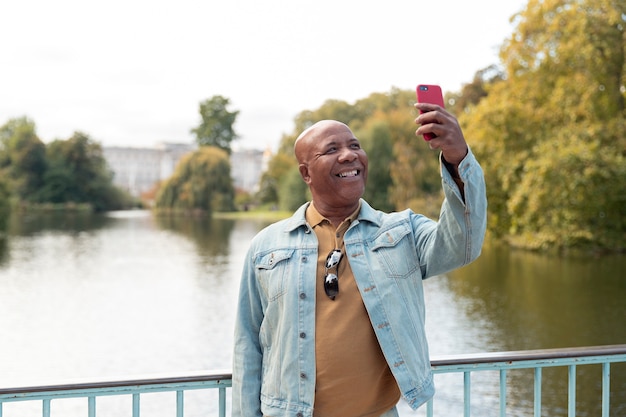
(299, 415)
(302, 335)
(302, 296)
(302, 375)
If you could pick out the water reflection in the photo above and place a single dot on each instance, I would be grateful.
(538, 302)
(28, 224)
(210, 235)
(534, 301)
(128, 293)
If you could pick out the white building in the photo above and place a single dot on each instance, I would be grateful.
(247, 167)
(138, 170)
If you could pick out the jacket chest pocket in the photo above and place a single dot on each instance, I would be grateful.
(273, 269)
(395, 252)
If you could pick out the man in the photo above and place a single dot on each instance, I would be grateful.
(330, 320)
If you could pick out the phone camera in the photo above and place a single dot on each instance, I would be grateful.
(423, 88)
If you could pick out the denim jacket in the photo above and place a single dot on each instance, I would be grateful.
(390, 254)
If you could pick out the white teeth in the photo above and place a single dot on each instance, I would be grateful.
(352, 173)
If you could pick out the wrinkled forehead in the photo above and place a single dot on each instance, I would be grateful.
(315, 135)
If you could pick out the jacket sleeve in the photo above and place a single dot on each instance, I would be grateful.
(456, 239)
(247, 355)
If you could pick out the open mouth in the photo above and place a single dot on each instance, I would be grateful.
(348, 174)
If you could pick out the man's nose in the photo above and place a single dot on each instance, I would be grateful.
(347, 155)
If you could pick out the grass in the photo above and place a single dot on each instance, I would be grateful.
(266, 215)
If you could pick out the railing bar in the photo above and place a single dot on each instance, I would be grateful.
(136, 405)
(538, 392)
(180, 400)
(606, 389)
(91, 404)
(222, 402)
(192, 378)
(571, 396)
(529, 355)
(466, 393)
(1, 409)
(502, 392)
(46, 408)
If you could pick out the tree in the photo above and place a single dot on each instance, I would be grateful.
(552, 136)
(217, 126)
(294, 191)
(22, 157)
(5, 206)
(376, 141)
(201, 183)
(78, 173)
(278, 167)
(385, 123)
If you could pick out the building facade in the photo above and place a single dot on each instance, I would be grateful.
(139, 170)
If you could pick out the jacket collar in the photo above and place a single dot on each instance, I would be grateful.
(367, 214)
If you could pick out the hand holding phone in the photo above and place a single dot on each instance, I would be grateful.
(429, 93)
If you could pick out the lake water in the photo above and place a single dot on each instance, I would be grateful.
(99, 296)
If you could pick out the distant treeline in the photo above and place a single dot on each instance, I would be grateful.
(547, 125)
(64, 173)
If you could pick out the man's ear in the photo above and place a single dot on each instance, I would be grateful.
(304, 173)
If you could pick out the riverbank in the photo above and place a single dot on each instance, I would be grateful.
(265, 215)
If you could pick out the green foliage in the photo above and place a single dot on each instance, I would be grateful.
(217, 126)
(5, 205)
(201, 183)
(376, 141)
(276, 172)
(385, 124)
(78, 173)
(552, 137)
(565, 197)
(22, 157)
(471, 93)
(71, 171)
(293, 192)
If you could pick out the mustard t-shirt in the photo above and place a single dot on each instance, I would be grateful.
(352, 377)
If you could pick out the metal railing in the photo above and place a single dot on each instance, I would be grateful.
(536, 360)
(134, 387)
(501, 362)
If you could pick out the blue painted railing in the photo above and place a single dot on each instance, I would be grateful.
(502, 362)
(536, 360)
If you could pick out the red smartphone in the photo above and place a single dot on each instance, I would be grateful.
(429, 93)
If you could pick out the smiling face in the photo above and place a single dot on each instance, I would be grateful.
(333, 165)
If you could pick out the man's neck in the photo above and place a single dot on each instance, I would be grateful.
(336, 215)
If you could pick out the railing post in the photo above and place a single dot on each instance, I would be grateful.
(538, 392)
(91, 405)
(136, 405)
(46, 408)
(222, 400)
(502, 392)
(429, 408)
(571, 408)
(466, 393)
(606, 389)
(180, 401)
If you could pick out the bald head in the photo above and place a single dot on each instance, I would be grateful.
(313, 134)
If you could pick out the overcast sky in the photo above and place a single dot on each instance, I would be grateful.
(133, 72)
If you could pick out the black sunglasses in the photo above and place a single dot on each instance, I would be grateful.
(331, 281)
